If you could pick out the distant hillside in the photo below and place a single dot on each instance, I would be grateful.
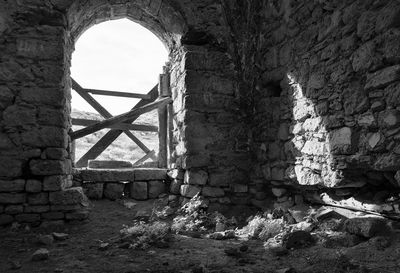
(123, 148)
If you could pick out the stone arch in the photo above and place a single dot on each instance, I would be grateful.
(158, 16)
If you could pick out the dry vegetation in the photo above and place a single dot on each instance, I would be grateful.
(123, 148)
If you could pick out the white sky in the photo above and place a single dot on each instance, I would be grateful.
(117, 55)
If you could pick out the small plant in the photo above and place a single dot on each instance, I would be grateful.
(142, 235)
(263, 228)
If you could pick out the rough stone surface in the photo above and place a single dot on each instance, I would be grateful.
(72, 196)
(139, 190)
(367, 227)
(156, 188)
(113, 191)
(189, 190)
(12, 185)
(94, 190)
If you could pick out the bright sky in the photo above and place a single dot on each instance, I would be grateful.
(117, 55)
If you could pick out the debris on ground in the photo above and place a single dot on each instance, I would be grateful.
(40, 255)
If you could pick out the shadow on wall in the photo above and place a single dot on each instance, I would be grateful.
(314, 144)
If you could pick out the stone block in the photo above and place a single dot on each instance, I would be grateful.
(94, 190)
(12, 198)
(45, 136)
(307, 177)
(33, 185)
(314, 147)
(56, 183)
(367, 226)
(389, 118)
(156, 188)
(12, 185)
(278, 192)
(77, 215)
(340, 141)
(28, 217)
(383, 77)
(37, 209)
(175, 186)
(241, 188)
(212, 192)
(10, 167)
(38, 198)
(138, 190)
(387, 162)
(56, 153)
(189, 190)
(109, 164)
(176, 174)
(219, 178)
(22, 116)
(47, 96)
(14, 209)
(71, 196)
(54, 215)
(277, 174)
(147, 174)
(195, 177)
(6, 219)
(65, 208)
(195, 161)
(50, 167)
(114, 191)
(106, 175)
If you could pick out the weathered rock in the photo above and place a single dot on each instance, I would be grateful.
(17, 185)
(71, 196)
(50, 167)
(175, 186)
(12, 198)
(94, 190)
(367, 226)
(40, 255)
(56, 183)
(189, 190)
(389, 118)
(33, 185)
(156, 188)
(278, 192)
(6, 219)
(297, 239)
(60, 236)
(109, 164)
(340, 141)
(46, 240)
(383, 77)
(147, 174)
(195, 177)
(212, 192)
(113, 191)
(139, 190)
(41, 198)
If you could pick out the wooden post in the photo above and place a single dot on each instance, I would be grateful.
(163, 91)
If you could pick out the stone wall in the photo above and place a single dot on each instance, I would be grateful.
(326, 108)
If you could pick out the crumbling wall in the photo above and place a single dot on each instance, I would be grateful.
(326, 111)
(35, 164)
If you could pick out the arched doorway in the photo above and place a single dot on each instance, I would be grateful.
(116, 55)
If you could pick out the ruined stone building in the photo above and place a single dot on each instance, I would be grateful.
(273, 100)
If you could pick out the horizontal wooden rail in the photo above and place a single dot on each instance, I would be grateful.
(120, 118)
(117, 93)
(119, 126)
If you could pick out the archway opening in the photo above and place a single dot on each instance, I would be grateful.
(122, 56)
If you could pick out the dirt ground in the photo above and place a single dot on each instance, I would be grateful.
(80, 252)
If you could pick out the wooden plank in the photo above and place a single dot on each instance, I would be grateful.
(162, 137)
(117, 93)
(170, 110)
(163, 87)
(87, 97)
(120, 118)
(110, 136)
(102, 111)
(119, 126)
(150, 154)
